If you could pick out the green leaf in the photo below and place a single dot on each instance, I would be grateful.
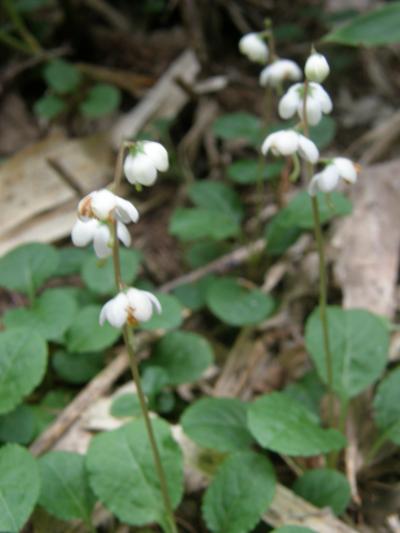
(378, 27)
(50, 315)
(237, 305)
(233, 504)
(308, 391)
(387, 406)
(324, 488)
(23, 359)
(218, 423)
(250, 171)
(18, 426)
(101, 100)
(359, 344)
(19, 487)
(85, 333)
(123, 476)
(284, 426)
(201, 253)
(189, 224)
(126, 405)
(324, 132)
(65, 488)
(61, 76)
(293, 529)
(183, 355)
(170, 316)
(77, 368)
(287, 225)
(154, 380)
(99, 274)
(193, 295)
(49, 106)
(209, 194)
(239, 125)
(27, 267)
(71, 260)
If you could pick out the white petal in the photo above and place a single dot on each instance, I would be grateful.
(253, 46)
(125, 211)
(317, 68)
(102, 242)
(103, 203)
(284, 69)
(140, 304)
(328, 179)
(83, 232)
(288, 104)
(286, 142)
(313, 111)
(123, 234)
(115, 311)
(154, 300)
(158, 154)
(140, 169)
(346, 168)
(318, 92)
(307, 149)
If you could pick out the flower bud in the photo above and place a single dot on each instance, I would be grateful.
(141, 166)
(280, 71)
(317, 68)
(253, 46)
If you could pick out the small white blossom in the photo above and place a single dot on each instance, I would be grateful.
(317, 102)
(107, 206)
(280, 71)
(130, 307)
(288, 142)
(328, 179)
(142, 166)
(254, 47)
(84, 233)
(317, 68)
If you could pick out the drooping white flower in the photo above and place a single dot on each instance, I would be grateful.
(254, 47)
(280, 71)
(328, 179)
(288, 142)
(317, 67)
(141, 167)
(84, 233)
(107, 206)
(318, 102)
(130, 307)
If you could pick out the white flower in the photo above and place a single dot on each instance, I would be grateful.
(107, 206)
(317, 102)
(288, 142)
(328, 179)
(279, 71)
(142, 166)
(131, 307)
(253, 46)
(317, 68)
(92, 230)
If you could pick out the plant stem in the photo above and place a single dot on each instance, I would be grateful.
(23, 31)
(128, 339)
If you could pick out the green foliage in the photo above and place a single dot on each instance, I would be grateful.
(387, 406)
(50, 315)
(324, 132)
(217, 196)
(49, 106)
(250, 171)
(18, 426)
(324, 488)
(170, 316)
(65, 489)
(61, 76)
(19, 487)
(308, 391)
(126, 405)
(27, 267)
(233, 504)
(287, 225)
(282, 425)
(85, 333)
(183, 355)
(101, 100)
(218, 423)
(71, 260)
(123, 476)
(77, 368)
(189, 224)
(237, 305)
(203, 252)
(193, 295)
(239, 126)
(359, 344)
(99, 274)
(23, 360)
(378, 27)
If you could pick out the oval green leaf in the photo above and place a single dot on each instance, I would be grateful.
(101, 100)
(18, 426)
(189, 224)
(170, 317)
(387, 406)
(77, 368)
